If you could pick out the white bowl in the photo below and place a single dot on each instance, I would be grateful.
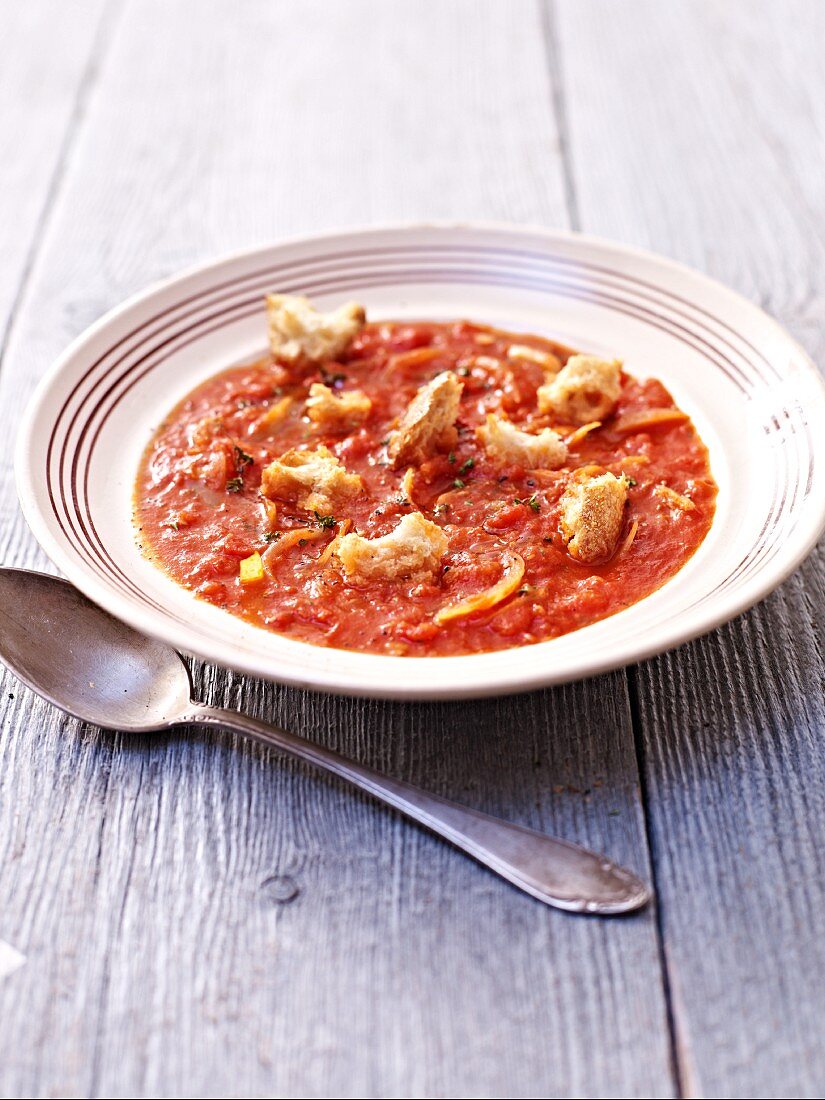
(754, 395)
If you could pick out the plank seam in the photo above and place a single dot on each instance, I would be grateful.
(558, 97)
(99, 47)
(555, 68)
(678, 1070)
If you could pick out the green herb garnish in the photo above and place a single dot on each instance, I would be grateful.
(451, 456)
(458, 483)
(234, 485)
(271, 536)
(325, 522)
(242, 459)
(441, 509)
(534, 503)
(468, 465)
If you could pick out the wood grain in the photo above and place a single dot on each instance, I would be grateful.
(45, 78)
(725, 113)
(202, 918)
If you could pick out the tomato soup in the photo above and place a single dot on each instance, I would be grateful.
(201, 515)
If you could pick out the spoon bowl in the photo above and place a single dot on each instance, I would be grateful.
(84, 661)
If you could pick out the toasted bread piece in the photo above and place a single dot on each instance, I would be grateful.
(298, 331)
(326, 407)
(592, 514)
(315, 479)
(507, 443)
(415, 546)
(428, 423)
(585, 389)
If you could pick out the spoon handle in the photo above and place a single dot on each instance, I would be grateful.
(554, 871)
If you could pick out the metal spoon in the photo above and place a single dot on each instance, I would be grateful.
(101, 671)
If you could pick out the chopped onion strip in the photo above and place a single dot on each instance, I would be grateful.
(580, 433)
(652, 418)
(331, 547)
(631, 535)
(483, 601)
(415, 357)
(270, 510)
(407, 484)
(287, 540)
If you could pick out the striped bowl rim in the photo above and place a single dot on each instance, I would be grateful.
(62, 446)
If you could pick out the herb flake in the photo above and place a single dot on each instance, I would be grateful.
(242, 459)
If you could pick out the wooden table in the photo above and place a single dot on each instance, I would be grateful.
(202, 918)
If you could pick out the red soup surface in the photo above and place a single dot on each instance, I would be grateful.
(200, 513)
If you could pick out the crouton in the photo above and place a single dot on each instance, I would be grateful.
(415, 546)
(507, 443)
(585, 389)
(326, 407)
(298, 331)
(592, 514)
(316, 480)
(428, 423)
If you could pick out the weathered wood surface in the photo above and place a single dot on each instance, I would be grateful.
(201, 918)
(46, 76)
(731, 726)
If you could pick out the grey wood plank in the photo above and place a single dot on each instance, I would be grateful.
(47, 49)
(205, 919)
(697, 129)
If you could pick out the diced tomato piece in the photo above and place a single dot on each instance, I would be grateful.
(515, 619)
(508, 516)
(407, 337)
(213, 591)
(418, 632)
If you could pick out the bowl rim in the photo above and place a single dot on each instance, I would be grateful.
(535, 674)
